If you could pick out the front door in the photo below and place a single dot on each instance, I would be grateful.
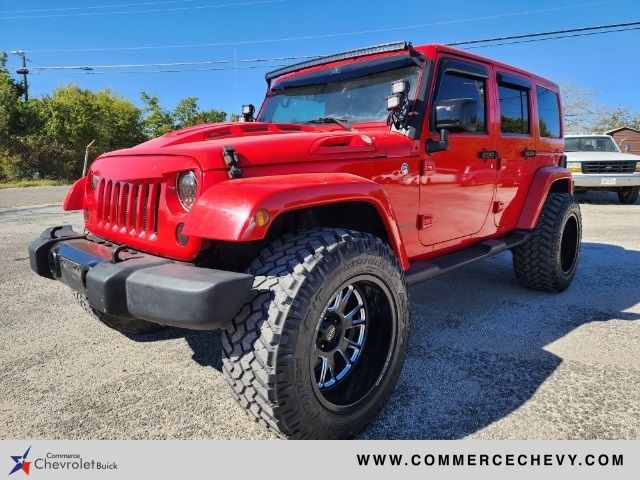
(457, 186)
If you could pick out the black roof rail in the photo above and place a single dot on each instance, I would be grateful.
(385, 47)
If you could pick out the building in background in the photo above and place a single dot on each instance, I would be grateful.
(626, 137)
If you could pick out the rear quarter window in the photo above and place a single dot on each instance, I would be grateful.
(548, 112)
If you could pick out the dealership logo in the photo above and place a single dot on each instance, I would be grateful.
(58, 461)
(21, 462)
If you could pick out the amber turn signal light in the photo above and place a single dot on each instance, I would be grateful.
(261, 217)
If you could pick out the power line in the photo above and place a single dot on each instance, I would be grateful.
(554, 38)
(172, 64)
(541, 34)
(95, 7)
(125, 12)
(531, 37)
(248, 67)
(327, 35)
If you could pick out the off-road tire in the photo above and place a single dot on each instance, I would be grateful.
(133, 326)
(264, 349)
(628, 195)
(541, 263)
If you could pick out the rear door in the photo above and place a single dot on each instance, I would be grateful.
(516, 145)
(458, 183)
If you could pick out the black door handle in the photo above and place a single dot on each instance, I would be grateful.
(529, 153)
(487, 154)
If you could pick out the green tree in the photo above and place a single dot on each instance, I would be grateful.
(187, 114)
(50, 138)
(10, 118)
(46, 137)
(10, 92)
(157, 121)
(74, 117)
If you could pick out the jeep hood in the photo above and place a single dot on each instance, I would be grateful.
(263, 144)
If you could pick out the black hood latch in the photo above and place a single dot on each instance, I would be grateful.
(232, 160)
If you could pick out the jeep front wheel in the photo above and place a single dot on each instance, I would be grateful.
(548, 260)
(318, 350)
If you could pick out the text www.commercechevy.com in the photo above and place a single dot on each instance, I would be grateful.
(489, 460)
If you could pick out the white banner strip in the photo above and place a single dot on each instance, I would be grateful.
(241, 460)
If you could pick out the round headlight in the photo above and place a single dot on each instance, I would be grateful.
(187, 185)
(94, 181)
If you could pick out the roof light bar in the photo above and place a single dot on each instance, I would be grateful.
(386, 47)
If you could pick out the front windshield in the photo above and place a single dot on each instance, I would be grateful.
(361, 99)
(590, 144)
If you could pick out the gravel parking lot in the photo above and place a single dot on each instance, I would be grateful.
(487, 358)
(18, 197)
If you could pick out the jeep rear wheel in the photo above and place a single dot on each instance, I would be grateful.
(548, 260)
(318, 350)
(131, 326)
(628, 195)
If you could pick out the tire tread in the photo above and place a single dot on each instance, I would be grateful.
(535, 261)
(259, 338)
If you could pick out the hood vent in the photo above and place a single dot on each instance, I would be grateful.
(255, 128)
(240, 129)
(218, 134)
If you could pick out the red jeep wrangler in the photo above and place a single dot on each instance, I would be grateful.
(298, 232)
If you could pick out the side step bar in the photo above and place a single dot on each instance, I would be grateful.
(421, 271)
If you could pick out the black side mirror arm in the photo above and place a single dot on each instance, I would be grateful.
(440, 145)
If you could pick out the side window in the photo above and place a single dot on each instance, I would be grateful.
(514, 109)
(455, 88)
(549, 112)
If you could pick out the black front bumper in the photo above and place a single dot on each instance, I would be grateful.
(130, 284)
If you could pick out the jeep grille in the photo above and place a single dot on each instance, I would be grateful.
(128, 207)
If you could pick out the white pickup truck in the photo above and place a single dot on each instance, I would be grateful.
(596, 163)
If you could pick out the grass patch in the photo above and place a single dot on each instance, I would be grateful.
(32, 183)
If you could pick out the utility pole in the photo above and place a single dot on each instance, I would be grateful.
(23, 71)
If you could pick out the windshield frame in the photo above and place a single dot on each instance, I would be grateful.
(416, 111)
(594, 137)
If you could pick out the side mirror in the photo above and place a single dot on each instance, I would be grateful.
(627, 148)
(440, 145)
(457, 114)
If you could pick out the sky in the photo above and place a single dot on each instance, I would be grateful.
(111, 32)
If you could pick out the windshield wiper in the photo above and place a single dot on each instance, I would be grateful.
(340, 121)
